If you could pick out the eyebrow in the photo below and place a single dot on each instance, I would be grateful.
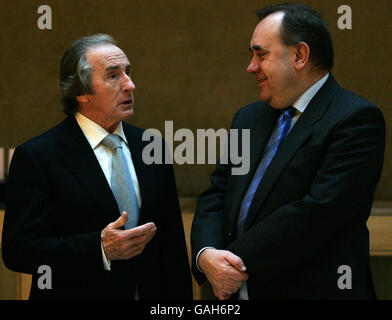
(110, 68)
(257, 48)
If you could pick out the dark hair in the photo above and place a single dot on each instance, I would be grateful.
(75, 72)
(302, 23)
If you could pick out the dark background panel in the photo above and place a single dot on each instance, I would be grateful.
(189, 61)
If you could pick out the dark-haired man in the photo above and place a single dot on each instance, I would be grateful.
(81, 200)
(288, 228)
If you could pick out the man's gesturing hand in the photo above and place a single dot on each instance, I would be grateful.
(121, 244)
(224, 270)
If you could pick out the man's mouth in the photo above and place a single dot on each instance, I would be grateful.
(127, 102)
(261, 81)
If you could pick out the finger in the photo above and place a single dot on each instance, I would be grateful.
(235, 261)
(232, 274)
(229, 281)
(137, 244)
(224, 296)
(134, 251)
(221, 294)
(235, 276)
(148, 237)
(140, 230)
(224, 282)
(137, 241)
(120, 222)
(230, 286)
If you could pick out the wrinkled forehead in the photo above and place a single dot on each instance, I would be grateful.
(104, 56)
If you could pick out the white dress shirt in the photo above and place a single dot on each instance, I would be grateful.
(94, 134)
(300, 105)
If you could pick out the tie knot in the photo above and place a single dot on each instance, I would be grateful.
(112, 141)
(289, 112)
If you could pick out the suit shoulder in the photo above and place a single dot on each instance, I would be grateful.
(251, 113)
(347, 103)
(133, 130)
(252, 109)
(353, 99)
(44, 140)
(139, 133)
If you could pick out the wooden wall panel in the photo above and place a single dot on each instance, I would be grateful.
(17, 286)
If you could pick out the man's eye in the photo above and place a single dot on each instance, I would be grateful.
(258, 55)
(112, 76)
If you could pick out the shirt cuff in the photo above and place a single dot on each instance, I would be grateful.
(197, 257)
(106, 261)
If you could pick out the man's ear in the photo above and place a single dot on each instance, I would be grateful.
(82, 98)
(302, 55)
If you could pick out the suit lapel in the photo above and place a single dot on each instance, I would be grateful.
(295, 139)
(81, 160)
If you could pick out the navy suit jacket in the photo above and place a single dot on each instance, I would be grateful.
(308, 215)
(59, 201)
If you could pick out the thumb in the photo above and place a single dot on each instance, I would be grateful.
(236, 262)
(120, 222)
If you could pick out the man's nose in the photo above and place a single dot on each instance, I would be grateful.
(128, 84)
(252, 67)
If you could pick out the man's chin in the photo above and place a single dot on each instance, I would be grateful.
(264, 98)
(131, 112)
(275, 105)
(126, 114)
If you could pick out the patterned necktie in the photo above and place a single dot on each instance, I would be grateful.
(276, 138)
(121, 182)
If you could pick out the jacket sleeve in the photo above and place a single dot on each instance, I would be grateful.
(208, 223)
(174, 245)
(29, 239)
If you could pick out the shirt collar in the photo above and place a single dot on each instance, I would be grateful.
(303, 100)
(94, 133)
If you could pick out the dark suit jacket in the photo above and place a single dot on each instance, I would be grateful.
(308, 215)
(58, 202)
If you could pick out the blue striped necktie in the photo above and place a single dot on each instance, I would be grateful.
(284, 124)
(121, 181)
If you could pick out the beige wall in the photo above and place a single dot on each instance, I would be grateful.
(189, 62)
